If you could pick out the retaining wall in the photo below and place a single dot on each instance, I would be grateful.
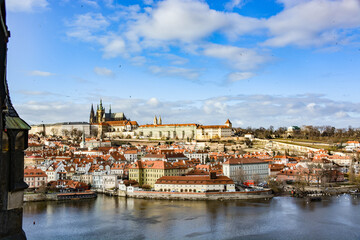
(200, 196)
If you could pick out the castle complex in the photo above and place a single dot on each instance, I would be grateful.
(104, 124)
(101, 116)
(110, 124)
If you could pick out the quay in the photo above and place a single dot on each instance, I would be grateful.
(221, 196)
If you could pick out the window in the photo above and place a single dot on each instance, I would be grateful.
(20, 141)
(5, 142)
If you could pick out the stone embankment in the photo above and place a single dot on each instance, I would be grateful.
(37, 197)
(266, 194)
(330, 191)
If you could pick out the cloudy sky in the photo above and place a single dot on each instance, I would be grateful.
(259, 63)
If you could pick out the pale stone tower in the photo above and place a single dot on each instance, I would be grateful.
(228, 123)
(100, 113)
(159, 120)
(155, 121)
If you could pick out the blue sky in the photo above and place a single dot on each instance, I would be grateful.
(259, 63)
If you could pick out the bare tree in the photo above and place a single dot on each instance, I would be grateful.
(256, 178)
(240, 176)
(65, 132)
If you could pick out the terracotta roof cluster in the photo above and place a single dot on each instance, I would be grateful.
(213, 126)
(169, 125)
(156, 165)
(234, 161)
(34, 172)
(194, 180)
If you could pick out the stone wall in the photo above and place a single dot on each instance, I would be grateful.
(36, 197)
(201, 196)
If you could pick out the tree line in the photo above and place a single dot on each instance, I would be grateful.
(327, 133)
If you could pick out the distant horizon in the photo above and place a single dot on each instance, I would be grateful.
(258, 63)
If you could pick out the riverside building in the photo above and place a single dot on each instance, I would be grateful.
(246, 169)
(186, 184)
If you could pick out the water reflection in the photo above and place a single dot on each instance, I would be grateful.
(120, 218)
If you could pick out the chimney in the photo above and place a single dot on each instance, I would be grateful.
(212, 175)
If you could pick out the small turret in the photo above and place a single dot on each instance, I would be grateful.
(159, 120)
(228, 123)
(155, 120)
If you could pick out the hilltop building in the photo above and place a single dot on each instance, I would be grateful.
(184, 131)
(101, 116)
(108, 124)
(61, 129)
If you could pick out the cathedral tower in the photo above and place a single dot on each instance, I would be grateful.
(100, 113)
(92, 115)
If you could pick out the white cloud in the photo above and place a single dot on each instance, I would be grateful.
(216, 105)
(186, 24)
(113, 46)
(90, 3)
(242, 110)
(188, 21)
(315, 22)
(234, 4)
(41, 73)
(148, 2)
(154, 102)
(239, 58)
(84, 26)
(341, 114)
(26, 5)
(191, 74)
(238, 76)
(102, 71)
(35, 93)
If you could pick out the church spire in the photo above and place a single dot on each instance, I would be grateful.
(159, 120)
(155, 120)
(92, 114)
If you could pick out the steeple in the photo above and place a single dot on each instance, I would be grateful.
(155, 120)
(110, 109)
(92, 114)
(159, 120)
(101, 104)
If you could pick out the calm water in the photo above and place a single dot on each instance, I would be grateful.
(119, 218)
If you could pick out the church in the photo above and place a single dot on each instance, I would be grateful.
(102, 116)
(108, 124)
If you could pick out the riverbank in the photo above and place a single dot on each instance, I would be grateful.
(38, 197)
(217, 196)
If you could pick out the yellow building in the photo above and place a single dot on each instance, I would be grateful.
(148, 172)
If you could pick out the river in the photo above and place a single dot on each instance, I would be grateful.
(120, 218)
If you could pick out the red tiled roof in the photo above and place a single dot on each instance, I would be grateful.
(234, 161)
(194, 180)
